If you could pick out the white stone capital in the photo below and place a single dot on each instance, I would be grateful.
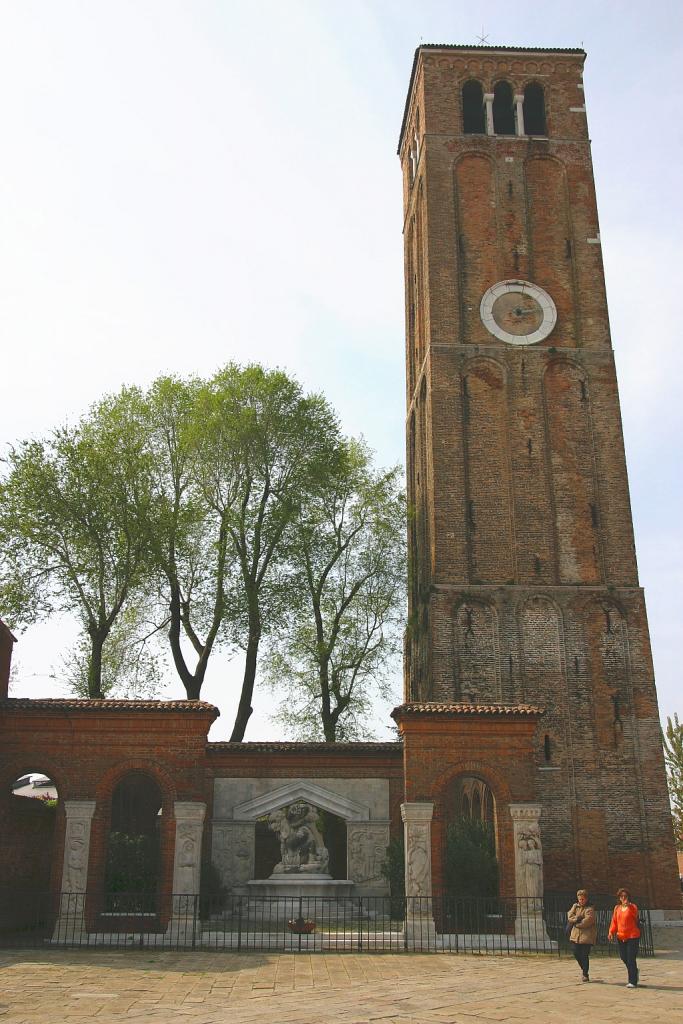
(79, 809)
(417, 812)
(525, 812)
(189, 810)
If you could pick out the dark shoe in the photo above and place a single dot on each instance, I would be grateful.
(585, 978)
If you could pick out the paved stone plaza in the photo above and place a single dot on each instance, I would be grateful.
(51, 987)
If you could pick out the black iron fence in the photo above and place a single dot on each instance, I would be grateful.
(309, 924)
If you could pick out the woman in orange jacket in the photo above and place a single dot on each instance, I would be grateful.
(626, 926)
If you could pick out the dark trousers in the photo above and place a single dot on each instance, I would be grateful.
(581, 952)
(628, 951)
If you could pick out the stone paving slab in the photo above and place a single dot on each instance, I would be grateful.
(107, 987)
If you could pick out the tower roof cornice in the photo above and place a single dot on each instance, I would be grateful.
(479, 50)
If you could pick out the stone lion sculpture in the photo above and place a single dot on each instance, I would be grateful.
(301, 845)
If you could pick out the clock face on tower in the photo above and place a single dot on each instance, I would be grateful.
(518, 312)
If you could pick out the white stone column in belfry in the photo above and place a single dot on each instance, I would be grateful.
(519, 114)
(488, 103)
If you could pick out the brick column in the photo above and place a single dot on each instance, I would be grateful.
(7, 642)
(417, 830)
(187, 862)
(70, 923)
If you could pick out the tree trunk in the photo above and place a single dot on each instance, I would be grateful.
(329, 722)
(244, 708)
(97, 638)
(191, 682)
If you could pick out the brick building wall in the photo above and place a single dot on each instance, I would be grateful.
(88, 747)
(524, 584)
(443, 742)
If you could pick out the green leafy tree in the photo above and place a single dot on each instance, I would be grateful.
(262, 448)
(673, 756)
(347, 598)
(72, 539)
(191, 554)
(132, 665)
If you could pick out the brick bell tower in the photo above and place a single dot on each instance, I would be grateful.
(524, 587)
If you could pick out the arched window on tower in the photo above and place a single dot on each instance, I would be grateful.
(473, 112)
(503, 110)
(534, 109)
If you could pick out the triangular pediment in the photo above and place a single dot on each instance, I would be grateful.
(310, 793)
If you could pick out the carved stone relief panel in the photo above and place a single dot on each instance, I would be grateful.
(366, 851)
(79, 815)
(188, 846)
(528, 850)
(417, 819)
(232, 851)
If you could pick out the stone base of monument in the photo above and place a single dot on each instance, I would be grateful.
(295, 885)
(281, 897)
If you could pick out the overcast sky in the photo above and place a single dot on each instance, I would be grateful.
(186, 183)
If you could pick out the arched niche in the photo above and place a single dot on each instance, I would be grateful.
(476, 646)
(29, 824)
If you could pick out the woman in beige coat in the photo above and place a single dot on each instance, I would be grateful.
(583, 933)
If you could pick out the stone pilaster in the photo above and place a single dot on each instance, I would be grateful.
(187, 861)
(529, 925)
(417, 828)
(71, 920)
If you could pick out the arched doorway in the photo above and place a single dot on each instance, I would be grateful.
(28, 825)
(133, 856)
(470, 856)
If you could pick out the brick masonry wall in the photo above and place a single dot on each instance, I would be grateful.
(523, 563)
(86, 751)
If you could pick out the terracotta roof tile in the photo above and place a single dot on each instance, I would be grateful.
(434, 708)
(275, 746)
(75, 704)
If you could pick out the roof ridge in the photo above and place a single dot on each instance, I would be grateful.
(85, 704)
(467, 708)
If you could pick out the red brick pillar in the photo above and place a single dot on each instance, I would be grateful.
(7, 642)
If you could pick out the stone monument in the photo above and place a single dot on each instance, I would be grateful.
(302, 874)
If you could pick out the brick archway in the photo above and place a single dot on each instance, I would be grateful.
(498, 741)
(102, 820)
(503, 830)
